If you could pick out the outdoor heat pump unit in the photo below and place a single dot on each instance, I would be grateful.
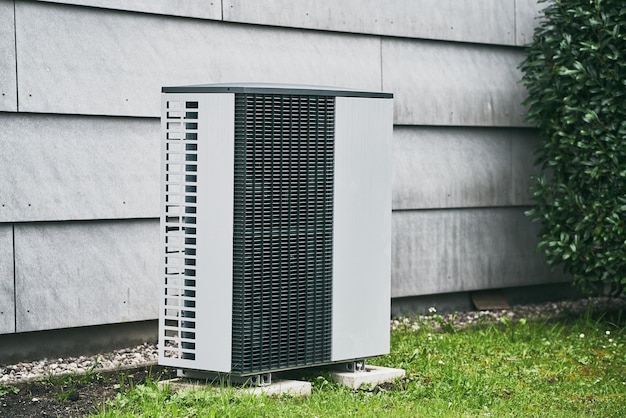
(275, 227)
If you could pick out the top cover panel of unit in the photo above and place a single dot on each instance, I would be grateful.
(270, 88)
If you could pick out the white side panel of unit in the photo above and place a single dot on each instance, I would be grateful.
(213, 235)
(362, 228)
(215, 230)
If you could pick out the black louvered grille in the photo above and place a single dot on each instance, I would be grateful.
(282, 264)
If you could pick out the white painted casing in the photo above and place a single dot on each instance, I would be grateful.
(361, 230)
(214, 208)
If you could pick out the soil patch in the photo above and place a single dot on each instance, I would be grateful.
(72, 396)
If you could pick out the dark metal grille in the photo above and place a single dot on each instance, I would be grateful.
(283, 203)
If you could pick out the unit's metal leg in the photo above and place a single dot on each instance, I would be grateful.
(264, 379)
(259, 380)
(353, 366)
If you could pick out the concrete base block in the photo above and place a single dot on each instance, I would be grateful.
(278, 387)
(373, 375)
(283, 387)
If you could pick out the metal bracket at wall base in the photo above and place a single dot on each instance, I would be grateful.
(257, 380)
(355, 366)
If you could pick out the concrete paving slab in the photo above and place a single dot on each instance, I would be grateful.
(372, 375)
(283, 387)
(278, 387)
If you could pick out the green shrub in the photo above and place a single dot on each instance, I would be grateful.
(575, 73)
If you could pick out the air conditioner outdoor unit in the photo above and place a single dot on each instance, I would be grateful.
(275, 227)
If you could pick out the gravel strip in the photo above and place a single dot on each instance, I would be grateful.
(128, 358)
(146, 354)
(549, 310)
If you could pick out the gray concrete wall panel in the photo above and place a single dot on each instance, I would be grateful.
(205, 9)
(56, 167)
(7, 295)
(75, 60)
(523, 146)
(453, 84)
(478, 21)
(444, 251)
(494, 22)
(86, 273)
(438, 167)
(8, 81)
(527, 17)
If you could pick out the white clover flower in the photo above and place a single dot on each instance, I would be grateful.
(441, 362)
(432, 309)
(608, 333)
(582, 335)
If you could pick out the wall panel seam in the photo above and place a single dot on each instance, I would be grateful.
(461, 208)
(515, 22)
(381, 64)
(17, 84)
(511, 170)
(14, 279)
(457, 127)
(469, 44)
(84, 220)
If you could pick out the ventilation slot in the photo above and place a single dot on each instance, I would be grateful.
(283, 203)
(180, 229)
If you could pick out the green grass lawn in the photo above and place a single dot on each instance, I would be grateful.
(569, 368)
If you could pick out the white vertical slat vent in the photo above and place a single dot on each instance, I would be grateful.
(181, 146)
